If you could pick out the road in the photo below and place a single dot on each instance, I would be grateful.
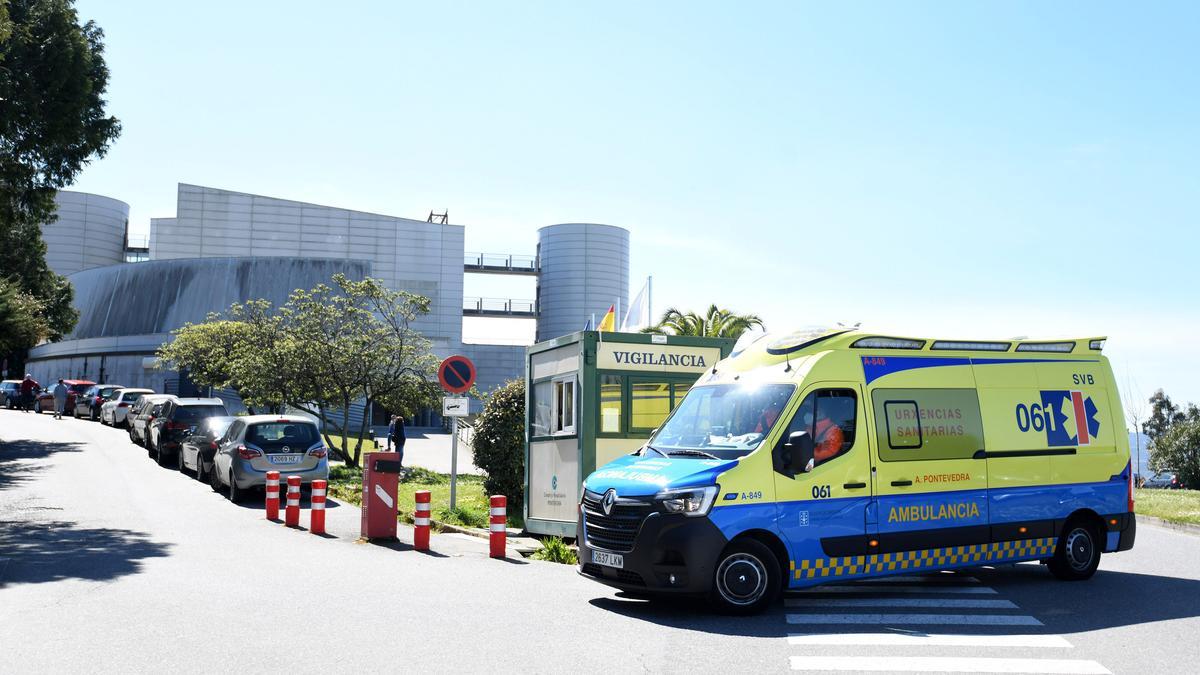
(109, 563)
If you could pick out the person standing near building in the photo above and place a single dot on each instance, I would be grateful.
(397, 437)
(29, 389)
(60, 399)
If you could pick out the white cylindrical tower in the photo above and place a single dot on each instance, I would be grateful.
(89, 232)
(584, 270)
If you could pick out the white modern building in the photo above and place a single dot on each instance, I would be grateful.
(224, 246)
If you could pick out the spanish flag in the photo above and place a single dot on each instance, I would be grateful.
(609, 322)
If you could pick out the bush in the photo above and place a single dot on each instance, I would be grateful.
(1178, 450)
(423, 476)
(556, 550)
(498, 443)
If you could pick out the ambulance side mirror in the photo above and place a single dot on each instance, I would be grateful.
(800, 449)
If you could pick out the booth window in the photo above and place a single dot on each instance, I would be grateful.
(611, 387)
(541, 399)
(651, 402)
(564, 405)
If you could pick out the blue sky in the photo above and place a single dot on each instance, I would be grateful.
(950, 169)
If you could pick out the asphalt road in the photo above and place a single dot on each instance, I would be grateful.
(109, 563)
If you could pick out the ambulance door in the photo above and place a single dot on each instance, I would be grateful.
(930, 478)
(822, 513)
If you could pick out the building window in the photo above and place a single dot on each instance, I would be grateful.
(650, 403)
(611, 387)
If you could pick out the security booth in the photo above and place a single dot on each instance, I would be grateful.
(591, 397)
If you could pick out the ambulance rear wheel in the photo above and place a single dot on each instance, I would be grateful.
(747, 578)
(1078, 552)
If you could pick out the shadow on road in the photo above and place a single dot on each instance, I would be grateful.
(1109, 599)
(692, 614)
(20, 460)
(45, 551)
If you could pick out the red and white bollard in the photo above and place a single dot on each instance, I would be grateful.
(272, 495)
(291, 515)
(498, 527)
(421, 521)
(317, 515)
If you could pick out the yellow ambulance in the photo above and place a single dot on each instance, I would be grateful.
(833, 455)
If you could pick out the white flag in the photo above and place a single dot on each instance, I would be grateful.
(638, 315)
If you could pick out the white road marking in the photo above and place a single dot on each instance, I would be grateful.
(927, 639)
(891, 588)
(948, 664)
(909, 619)
(947, 603)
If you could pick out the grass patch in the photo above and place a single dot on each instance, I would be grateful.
(345, 484)
(1176, 506)
(554, 549)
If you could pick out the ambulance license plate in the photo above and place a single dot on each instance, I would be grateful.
(608, 559)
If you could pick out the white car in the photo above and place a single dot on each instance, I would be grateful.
(113, 411)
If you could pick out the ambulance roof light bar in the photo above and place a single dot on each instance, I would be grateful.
(1061, 347)
(1097, 344)
(964, 346)
(887, 343)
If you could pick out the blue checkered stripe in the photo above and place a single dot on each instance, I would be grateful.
(927, 559)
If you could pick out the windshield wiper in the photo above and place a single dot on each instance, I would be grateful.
(660, 452)
(690, 453)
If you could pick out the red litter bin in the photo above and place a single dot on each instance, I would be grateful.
(381, 483)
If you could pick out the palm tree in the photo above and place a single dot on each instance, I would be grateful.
(716, 322)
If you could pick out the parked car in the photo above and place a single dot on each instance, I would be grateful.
(257, 444)
(143, 415)
(114, 412)
(178, 417)
(45, 399)
(1164, 480)
(197, 449)
(10, 393)
(88, 403)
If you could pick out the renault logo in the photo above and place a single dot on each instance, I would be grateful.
(610, 498)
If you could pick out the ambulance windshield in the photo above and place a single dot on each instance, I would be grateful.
(725, 421)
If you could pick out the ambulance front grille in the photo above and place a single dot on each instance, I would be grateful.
(615, 531)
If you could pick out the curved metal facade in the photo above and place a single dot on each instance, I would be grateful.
(584, 270)
(162, 295)
(89, 232)
(126, 311)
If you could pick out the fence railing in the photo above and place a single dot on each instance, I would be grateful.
(501, 261)
(499, 306)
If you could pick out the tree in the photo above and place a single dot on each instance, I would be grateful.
(1178, 450)
(324, 351)
(498, 443)
(52, 122)
(1163, 415)
(716, 322)
(21, 319)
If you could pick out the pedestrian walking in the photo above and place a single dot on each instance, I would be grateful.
(60, 399)
(396, 436)
(29, 389)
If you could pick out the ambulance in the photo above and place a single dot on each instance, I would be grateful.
(834, 455)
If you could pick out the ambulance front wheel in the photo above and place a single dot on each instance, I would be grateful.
(747, 578)
(1078, 552)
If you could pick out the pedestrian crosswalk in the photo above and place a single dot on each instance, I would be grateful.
(936, 623)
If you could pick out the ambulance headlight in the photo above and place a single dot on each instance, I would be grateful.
(690, 501)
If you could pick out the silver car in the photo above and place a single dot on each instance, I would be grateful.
(254, 445)
(114, 411)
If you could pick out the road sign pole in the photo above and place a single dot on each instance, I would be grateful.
(453, 461)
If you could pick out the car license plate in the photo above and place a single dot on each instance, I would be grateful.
(285, 459)
(608, 559)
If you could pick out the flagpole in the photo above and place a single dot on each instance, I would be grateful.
(650, 299)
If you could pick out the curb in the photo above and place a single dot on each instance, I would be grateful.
(1187, 528)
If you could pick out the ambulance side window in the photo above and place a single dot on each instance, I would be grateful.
(927, 424)
(830, 417)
